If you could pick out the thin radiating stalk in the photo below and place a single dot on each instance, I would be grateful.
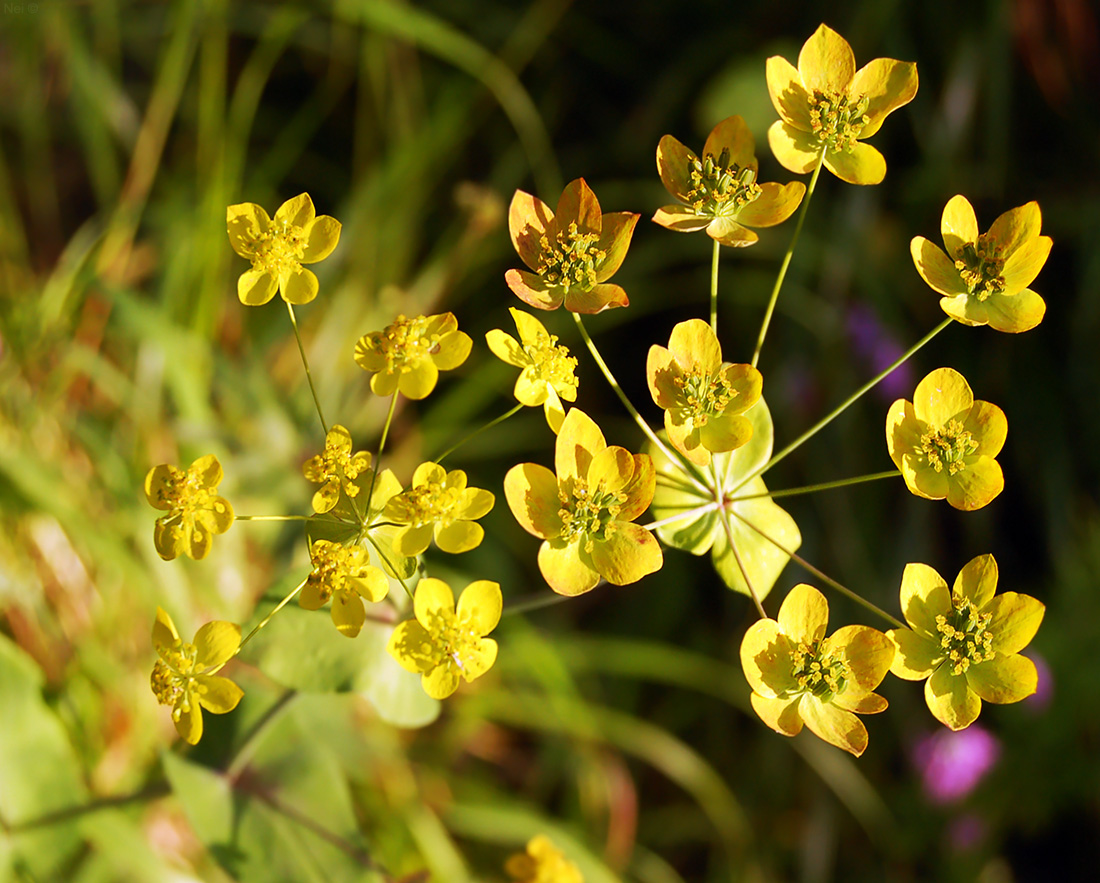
(694, 512)
(305, 363)
(478, 432)
(381, 447)
(843, 406)
(723, 516)
(267, 618)
(824, 486)
(534, 602)
(787, 260)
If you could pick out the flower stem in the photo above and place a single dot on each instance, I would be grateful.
(824, 486)
(533, 602)
(843, 406)
(381, 446)
(806, 565)
(478, 432)
(672, 455)
(305, 364)
(693, 512)
(723, 516)
(267, 618)
(787, 259)
(714, 287)
(388, 563)
(271, 517)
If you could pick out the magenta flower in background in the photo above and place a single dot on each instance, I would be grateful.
(877, 348)
(1044, 691)
(952, 764)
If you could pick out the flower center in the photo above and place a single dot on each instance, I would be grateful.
(720, 188)
(455, 640)
(703, 395)
(280, 249)
(332, 565)
(184, 492)
(172, 677)
(586, 512)
(948, 447)
(570, 258)
(980, 264)
(836, 120)
(429, 503)
(965, 635)
(819, 672)
(552, 364)
(404, 344)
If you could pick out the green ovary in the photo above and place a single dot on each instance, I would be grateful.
(819, 672)
(980, 265)
(702, 395)
(965, 636)
(948, 447)
(585, 512)
(570, 258)
(836, 120)
(719, 188)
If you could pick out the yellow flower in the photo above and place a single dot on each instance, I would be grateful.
(547, 376)
(984, 278)
(542, 862)
(944, 443)
(334, 468)
(799, 676)
(827, 105)
(185, 676)
(344, 574)
(584, 514)
(719, 192)
(279, 247)
(409, 354)
(573, 252)
(438, 504)
(444, 644)
(703, 397)
(965, 640)
(195, 511)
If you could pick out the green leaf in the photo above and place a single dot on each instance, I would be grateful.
(331, 528)
(39, 772)
(395, 694)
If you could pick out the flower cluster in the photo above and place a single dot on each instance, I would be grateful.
(195, 511)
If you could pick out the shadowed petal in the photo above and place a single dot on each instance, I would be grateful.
(674, 166)
(804, 614)
(791, 100)
(774, 205)
(860, 164)
(936, 268)
(628, 553)
(951, 700)
(959, 225)
(528, 218)
(796, 150)
(835, 725)
(779, 714)
(566, 567)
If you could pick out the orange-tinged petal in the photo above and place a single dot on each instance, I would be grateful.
(533, 291)
(788, 94)
(797, 151)
(730, 233)
(859, 164)
(835, 725)
(941, 396)
(734, 135)
(867, 651)
(936, 268)
(826, 62)
(1003, 679)
(680, 218)
(627, 553)
(532, 494)
(639, 491)
(602, 297)
(951, 700)
(322, 239)
(578, 203)
(578, 442)
(528, 218)
(567, 568)
(661, 373)
(1015, 618)
(256, 287)
(480, 605)
(959, 225)
(887, 84)
(618, 228)
(779, 714)
(774, 205)
(298, 211)
(674, 166)
(804, 614)
(299, 286)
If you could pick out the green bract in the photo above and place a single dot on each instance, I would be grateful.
(719, 192)
(700, 529)
(984, 278)
(966, 641)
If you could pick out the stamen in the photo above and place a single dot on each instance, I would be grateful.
(948, 447)
(570, 258)
(965, 635)
(836, 120)
(720, 188)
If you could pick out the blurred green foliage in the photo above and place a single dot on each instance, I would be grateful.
(617, 723)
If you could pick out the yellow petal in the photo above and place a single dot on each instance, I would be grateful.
(924, 596)
(189, 724)
(371, 583)
(167, 539)
(796, 150)
(413, 540)
(245, 223)
(530, 329)
(989, 427)
(975, 486)
(779, 714)
(419, 381)
(734, 135)
(1015, 227)
(434, 603)
(299, 286)
(322, 239)
(915, 656)
(941, 396)
(804, 614)
(867, 651)
(1019, 312)
(506, 348)
(157, 481)
(826, 62)
(766, 660)
(1015, 620)
(217, 694)
(639, 491)
(413, 647)
(662, 372)
(532, 494)
(680, 218)
(1003, 679)
(216, 643)
(730, 233)
(788, 94)
(164, 630)
(618, 228)
(459, 536)
(256, 287)
(453, 349)
(887, 84)
(479, 606)
(859, 164)
(774, 205)
(1024, 264)
(611, 469)
(726, 432)
(566, 567)
(834, 725)
(348, 613)
(440, 682)
(950, 699)
(674, 167)
(578, 442)
(554, 410)
(936, 268)
(528, 218)
(601, 297)
(959, 225)
(627, 553)
(694, 346)
(479, 659)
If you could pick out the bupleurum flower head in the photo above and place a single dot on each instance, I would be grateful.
(548, 369)
(195, 511)
(185, 675)
(966, 640)
(799, 676)
(444, 644)
(703, 398)
(719, 193)
(827, 105)
(439, 504)
(584, 514)
(335, 468)
(278, 247)
(345, 575)
(573, 252)
(409, 354)
(944, 443)
(984, 278)
(542, 862)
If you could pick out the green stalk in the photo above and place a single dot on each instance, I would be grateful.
(478, 432)
(671, 454)
(723, 516)
(533, 602)
(714, 287)
(305, 363)
(843, 406)
(267, 618)
(271, 518)
(787, 259)
(381, 447)
(824, 486)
